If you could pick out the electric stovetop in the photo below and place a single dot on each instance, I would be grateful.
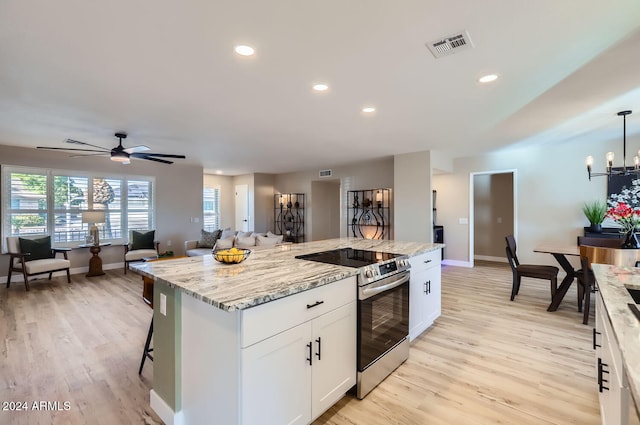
(349, 257)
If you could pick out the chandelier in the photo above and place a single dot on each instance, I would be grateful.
(619, 171)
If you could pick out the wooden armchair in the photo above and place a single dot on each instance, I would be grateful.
(141, 245)
(34, 257)
(528, 270)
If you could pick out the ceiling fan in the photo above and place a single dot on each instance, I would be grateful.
(119, 153)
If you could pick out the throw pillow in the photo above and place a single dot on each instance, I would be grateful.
(227, 233)
(144, 240)
(38, 248)
(208, 239)
(246, 242)
(242, 234)
(264, 240)
(273, 235)
(223, 243)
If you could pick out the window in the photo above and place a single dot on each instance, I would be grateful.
(51, 202)
(211, 208)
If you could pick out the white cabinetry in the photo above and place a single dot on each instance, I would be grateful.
(293, 377)
(612, 381)
(285, 361)
(424, 293)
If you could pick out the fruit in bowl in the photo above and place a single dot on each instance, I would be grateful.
(231, 256)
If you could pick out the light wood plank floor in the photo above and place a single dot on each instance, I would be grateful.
(486, 361)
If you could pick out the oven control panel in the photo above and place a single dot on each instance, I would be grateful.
(379, 271)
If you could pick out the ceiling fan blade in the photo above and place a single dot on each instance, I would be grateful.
(90, 154)
(142, 156)
(164, 155)
(136, 149)
(70, 149)
(77, 142)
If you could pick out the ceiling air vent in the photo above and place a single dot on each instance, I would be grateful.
(451, 44)
(326, 173)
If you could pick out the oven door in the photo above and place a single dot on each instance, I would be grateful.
(383, 317)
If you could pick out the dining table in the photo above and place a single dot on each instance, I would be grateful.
(560, 253)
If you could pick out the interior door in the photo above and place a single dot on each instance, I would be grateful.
(242, 207)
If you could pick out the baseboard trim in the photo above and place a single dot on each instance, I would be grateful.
(457, 263)
(163, 410)
(491, 258)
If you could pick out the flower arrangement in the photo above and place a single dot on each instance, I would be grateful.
(628, 218)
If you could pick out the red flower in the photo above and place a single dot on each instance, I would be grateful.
(625, 216)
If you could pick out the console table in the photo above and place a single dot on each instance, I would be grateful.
(95, 262)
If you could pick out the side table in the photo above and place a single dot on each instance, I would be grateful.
(95, 262)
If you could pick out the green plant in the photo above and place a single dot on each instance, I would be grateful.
(595, 211)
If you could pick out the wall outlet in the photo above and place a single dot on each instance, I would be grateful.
(499, 220)
(195, 219)
(169, 242)
(463, 221)
(163, 304)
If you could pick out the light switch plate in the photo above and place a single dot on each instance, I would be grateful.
(163, 304)
(463, 221)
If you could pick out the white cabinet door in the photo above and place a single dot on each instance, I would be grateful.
(434, 294)
(334, 357)
(417, 298)
(276, 379)
(424, 292)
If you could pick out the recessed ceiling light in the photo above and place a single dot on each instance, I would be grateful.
(368, 109)
(219, 172)
(244, 50)
(320, 87)
(488, 78)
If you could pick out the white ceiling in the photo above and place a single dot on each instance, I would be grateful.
(165, 72)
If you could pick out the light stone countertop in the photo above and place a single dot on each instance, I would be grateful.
(267, 274)
(626, 327)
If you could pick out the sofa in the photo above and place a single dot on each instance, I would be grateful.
(227, 238)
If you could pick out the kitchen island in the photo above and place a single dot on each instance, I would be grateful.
(616, 339)
(227, 338)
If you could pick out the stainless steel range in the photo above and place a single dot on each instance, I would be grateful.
(383, 310)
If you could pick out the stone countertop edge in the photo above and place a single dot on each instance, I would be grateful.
(233, 287)
(626, 327)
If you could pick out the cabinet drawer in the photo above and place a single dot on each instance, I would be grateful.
(425, 260)
(271, 318)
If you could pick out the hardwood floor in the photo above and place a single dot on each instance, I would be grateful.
(486, 361)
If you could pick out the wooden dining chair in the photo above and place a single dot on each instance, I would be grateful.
(535, 271)
(586, 283)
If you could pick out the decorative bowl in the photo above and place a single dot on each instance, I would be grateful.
(231, 255)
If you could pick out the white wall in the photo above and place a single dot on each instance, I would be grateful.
(551, 185)
(412, 197)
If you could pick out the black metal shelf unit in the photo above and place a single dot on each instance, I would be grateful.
(369, 213)
(289, 216)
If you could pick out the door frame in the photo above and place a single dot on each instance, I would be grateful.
(514, 173)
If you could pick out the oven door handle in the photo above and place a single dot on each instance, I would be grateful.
(378, 287)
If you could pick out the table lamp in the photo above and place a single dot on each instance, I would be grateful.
(92, 217)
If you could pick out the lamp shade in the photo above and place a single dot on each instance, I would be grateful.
(93, 216)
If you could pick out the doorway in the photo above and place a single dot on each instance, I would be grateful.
(242, 207)
(325, 196)
(493, 214)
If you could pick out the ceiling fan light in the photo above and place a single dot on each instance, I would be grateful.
(120, 157)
